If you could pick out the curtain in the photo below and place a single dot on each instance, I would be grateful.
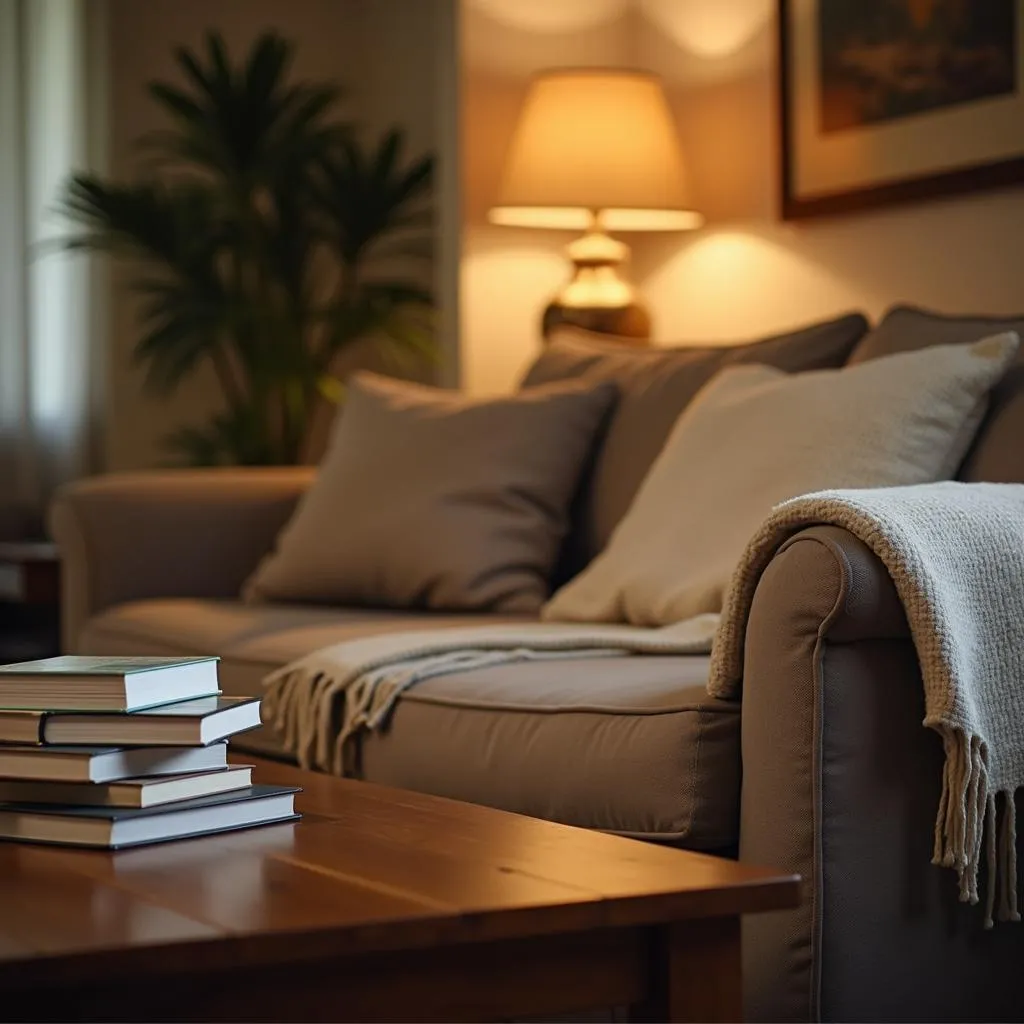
(50, 300)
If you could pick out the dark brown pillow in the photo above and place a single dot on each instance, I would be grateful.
(656, 385)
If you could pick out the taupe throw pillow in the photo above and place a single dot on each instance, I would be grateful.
(426, 498)
(755, 437)
(655, 385)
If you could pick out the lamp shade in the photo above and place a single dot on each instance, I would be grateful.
(596, 141)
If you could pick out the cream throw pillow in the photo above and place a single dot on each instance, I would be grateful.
(429, 499)
(755, 436)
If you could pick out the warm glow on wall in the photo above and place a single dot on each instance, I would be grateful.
(732, 285)
(710, 28)
(505, 279)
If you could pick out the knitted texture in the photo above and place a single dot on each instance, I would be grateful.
(955, 553)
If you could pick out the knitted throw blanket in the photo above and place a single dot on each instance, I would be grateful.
(956, 555)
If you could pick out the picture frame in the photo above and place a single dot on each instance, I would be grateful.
(852, 137)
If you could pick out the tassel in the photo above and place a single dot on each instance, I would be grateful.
(1008, 905)
(963, 816)
(990, 829)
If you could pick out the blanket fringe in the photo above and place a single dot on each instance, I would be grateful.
(970, 817)
(299, 705)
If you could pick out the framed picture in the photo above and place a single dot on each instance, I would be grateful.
(886, 101)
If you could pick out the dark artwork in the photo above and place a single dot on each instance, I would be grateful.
(888, 59)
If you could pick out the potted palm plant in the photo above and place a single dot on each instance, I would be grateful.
(259, 231)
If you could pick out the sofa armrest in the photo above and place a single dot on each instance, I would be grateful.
(841, 783)
(166, 533)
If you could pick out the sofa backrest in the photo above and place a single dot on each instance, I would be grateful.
(997, 455)
(655, 385)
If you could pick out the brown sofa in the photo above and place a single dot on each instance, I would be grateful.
(824, 769)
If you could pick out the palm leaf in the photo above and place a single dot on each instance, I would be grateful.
(177, 225)
(242, 124)
(177, 102)
(363, 198)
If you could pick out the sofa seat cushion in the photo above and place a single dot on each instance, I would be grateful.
(632, 745)
(626, 744)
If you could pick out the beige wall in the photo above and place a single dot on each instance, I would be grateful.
(385, 54)
(744, 274)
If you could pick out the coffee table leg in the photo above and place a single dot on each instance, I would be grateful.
(696, 973)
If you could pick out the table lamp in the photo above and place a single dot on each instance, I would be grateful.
(596, 150)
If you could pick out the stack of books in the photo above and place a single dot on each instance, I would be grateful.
(116, 752)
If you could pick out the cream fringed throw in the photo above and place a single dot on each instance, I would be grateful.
(318, 703)
(955, 553)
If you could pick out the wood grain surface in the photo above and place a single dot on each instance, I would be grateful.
(379, 904)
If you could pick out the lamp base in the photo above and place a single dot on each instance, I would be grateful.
(631, 323)
(597, 298)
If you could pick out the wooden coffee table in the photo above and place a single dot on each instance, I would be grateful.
(379, 904)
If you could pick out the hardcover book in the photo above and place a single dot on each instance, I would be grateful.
(187, 723)
(74, 683)
(116, 827)
(107, 764)
(151, 791)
